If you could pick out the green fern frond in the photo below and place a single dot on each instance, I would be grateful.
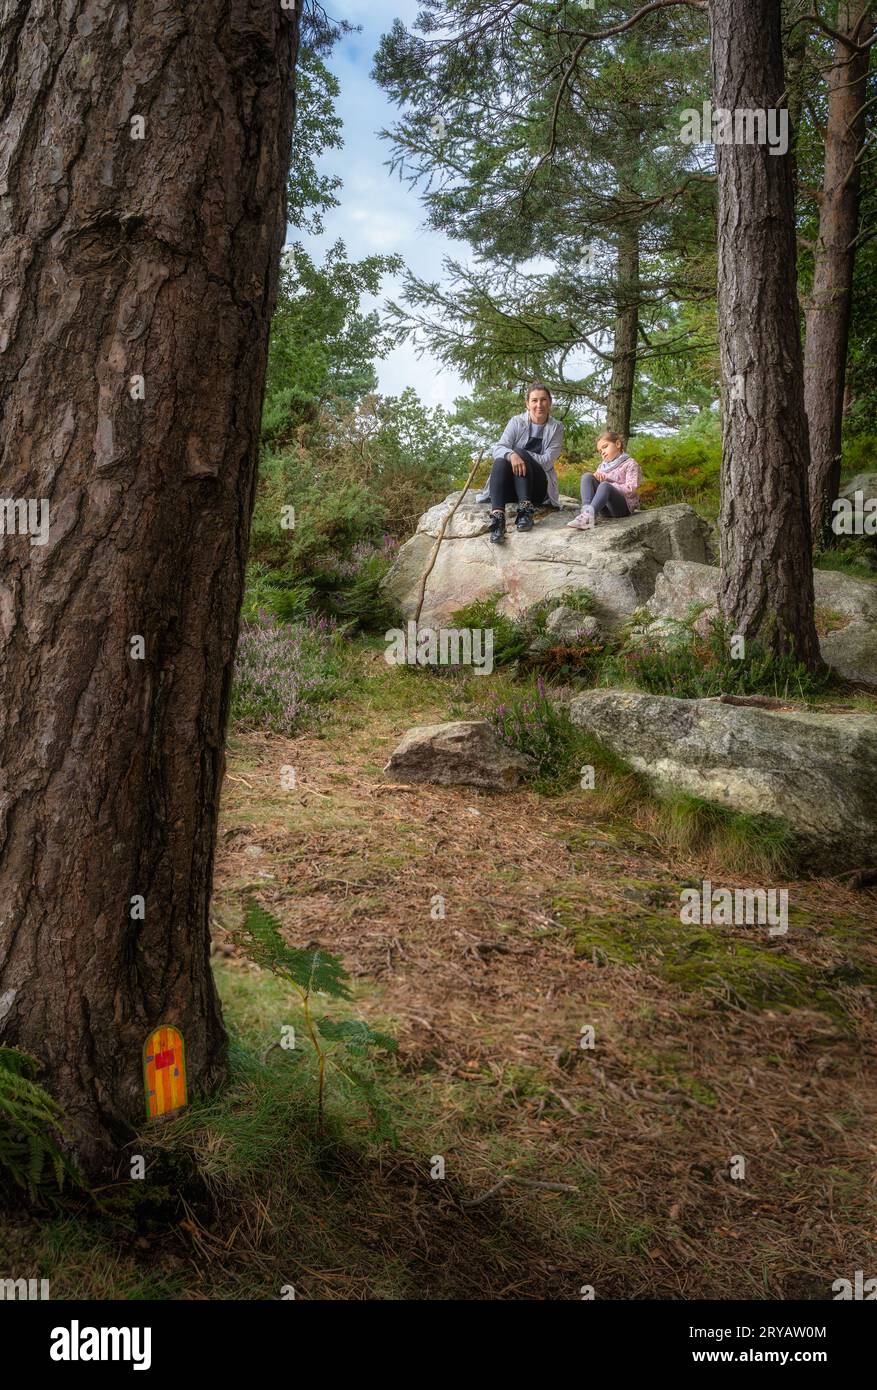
(356, 1035)
(312, 971)
(382, 1124)
(28, 1118)
(309, 971)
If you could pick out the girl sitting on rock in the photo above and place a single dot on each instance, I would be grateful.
(612, 490)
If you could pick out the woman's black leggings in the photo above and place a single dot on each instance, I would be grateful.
(508, 486)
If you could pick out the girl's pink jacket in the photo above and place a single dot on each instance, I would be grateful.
(627, 478)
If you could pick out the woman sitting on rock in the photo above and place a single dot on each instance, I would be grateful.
(523, 463)
(612, 490)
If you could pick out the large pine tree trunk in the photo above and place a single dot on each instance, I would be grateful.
(766, 585)
(125, 258)
(827, 314)
(620, 402)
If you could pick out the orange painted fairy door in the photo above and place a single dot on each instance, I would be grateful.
(164, 1071)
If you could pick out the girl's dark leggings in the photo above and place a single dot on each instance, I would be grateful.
(603, 497)
(506, 486)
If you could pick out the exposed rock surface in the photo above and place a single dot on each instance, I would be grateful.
(817, 771)
(618, 561)
(568, 625)
(466, 751)
(846, 607)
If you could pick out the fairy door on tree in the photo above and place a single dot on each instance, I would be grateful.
(164, 1071)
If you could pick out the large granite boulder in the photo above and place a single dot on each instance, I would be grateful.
(846, 610)
(464, 752)
(617, 560)
(815, 770)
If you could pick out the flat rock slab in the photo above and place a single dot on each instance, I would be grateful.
(848, 606)
(618, 561)
(816, 771)
(464, 752)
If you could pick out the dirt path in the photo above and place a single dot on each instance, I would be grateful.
(715, 1048)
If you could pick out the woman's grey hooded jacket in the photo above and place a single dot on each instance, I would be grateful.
(515, 436)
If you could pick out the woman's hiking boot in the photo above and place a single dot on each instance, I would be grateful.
(524, 518)
(497, 527)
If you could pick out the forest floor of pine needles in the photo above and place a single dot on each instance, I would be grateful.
(712, 1045)
(709, 1042)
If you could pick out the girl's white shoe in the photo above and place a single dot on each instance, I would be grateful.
(584, 521)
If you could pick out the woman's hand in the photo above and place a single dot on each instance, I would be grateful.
(518, 465)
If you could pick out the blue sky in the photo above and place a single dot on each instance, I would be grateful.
(377, 212)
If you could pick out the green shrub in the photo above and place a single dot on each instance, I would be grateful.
(513, 638)
(269, 591)
(357, 480)
(690, 665)
(510, 639)
(534, 725)
(858, 454)
(852, 555)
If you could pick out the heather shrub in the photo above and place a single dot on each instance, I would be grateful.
(285, 671)
(532, 724)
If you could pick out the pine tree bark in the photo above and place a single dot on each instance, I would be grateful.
(620, 401)
(766, 585)
(829, 307)
(143, 162)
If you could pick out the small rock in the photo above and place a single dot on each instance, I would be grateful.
(569, 627)
(465, 752)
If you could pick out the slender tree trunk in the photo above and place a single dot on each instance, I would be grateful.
(620, 401)
(143, 163)
(828, 311)
(796, 77)
(766, 586)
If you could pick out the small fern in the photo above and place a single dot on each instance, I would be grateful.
(310, 972)
(307, 971)
(28, 1118)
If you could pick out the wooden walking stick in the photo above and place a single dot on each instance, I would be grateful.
(435, 550)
